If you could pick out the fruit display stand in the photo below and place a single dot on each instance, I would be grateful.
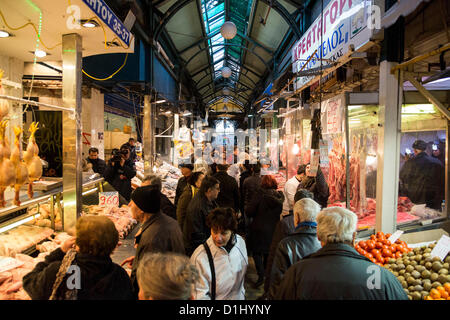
(422, 276)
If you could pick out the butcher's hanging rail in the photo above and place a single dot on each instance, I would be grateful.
(34, 103)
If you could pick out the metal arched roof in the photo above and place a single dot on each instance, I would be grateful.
(194, 29)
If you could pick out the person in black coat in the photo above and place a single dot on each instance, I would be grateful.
(422, 178)
(317, 185)
(166, 205)
(246, 172)
(301, 243)
(131, 144)
(229, 190)
(99, 277)
(120, 171)
(195, 181)
(98, 165)
(195, 231)
(283, 228)
(158, 232)
(265, 209)
(186, 171)
(337, 270)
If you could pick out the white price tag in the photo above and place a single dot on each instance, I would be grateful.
(108, 199)
(394, 237)
(442, 247)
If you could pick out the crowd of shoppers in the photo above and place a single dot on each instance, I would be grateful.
(199, 247)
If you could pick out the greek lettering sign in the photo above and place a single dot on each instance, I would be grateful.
(344, 24)
(100, 8)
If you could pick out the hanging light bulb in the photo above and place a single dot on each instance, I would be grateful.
(228, 30)
(281, 142)
(295, 149)
(226, 72)
(154, 168)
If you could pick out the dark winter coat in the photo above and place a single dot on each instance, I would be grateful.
(283, 228)
(265, 209)
(113, 173)
(183, 203)
(195, 229)
(160, 233)
(318, 186)
(229, 191)
(167, 207)
(422, 179)
(98, 165)
(291, 249)
(101, 279)
(182, 183)
(252, 185)
(244, 175)
(337, 271)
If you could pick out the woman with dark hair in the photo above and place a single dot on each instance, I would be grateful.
(265, 209)
(84, 261)
(194, 183)
(222, 260)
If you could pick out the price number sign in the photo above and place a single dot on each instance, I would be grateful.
(108, 199)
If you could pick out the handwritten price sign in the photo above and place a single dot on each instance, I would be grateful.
(108, 199)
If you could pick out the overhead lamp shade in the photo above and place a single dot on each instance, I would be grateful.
(226, 91)
(225, 100)
(226, 72)
(228, 30)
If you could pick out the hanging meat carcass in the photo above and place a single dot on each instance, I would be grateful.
(355, 171)
(7, 169)
(336, 175)
(32, 160)
(21, 169)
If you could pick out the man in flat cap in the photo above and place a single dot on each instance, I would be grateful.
(158, 232)
(422, 178)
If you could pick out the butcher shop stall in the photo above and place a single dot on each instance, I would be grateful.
(348, 153)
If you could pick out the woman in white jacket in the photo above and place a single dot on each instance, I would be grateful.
(228, 256)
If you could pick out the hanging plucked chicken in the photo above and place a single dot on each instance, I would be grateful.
(7, 169)
(32, 160)
(21, 169)
(4, 106)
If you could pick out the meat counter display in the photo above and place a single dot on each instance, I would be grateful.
(168, 174)
(362, 162)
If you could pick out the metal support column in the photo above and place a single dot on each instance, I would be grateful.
(147, 139)
(72, 162)
(388, 153)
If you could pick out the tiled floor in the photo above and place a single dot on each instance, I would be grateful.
(127, 249)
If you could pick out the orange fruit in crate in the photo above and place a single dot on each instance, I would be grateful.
(444, 295)
(435, 294)
(440, 289)
(447, 287)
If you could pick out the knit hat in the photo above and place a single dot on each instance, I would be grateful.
(419, 145)
(147, 198)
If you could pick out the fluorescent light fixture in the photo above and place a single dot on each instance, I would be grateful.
(250, 115)
(89, 191)
(89, 25)
(354, 107)
(186, 113)
(160, 101)
(168, 112)
(295, 149)
(432, 82)
(418, 108)
(18, 223)
(40, 54)
(4, 34)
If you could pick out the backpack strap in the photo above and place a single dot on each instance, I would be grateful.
(213, 271)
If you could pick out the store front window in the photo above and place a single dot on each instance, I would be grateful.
(422, 164)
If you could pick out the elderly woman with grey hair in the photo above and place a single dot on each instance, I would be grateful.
(337, 271)
(166, 276)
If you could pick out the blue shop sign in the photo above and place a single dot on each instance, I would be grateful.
(101, 9)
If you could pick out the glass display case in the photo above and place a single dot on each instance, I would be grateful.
(423, 163)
